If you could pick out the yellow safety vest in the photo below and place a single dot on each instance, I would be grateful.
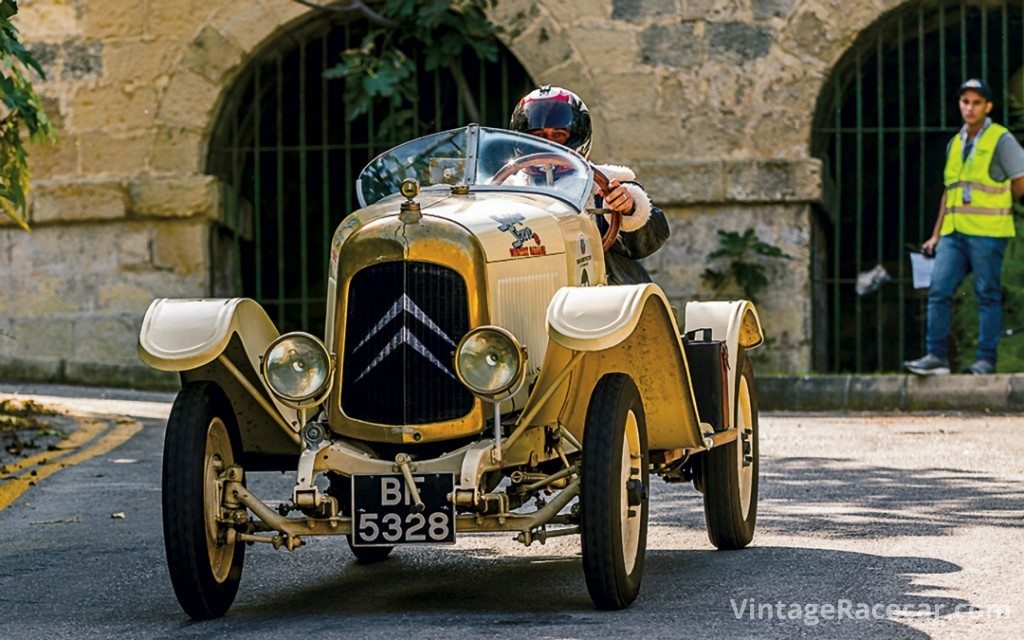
(989, 211)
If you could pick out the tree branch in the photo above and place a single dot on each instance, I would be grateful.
(356, 6)
(468, 101)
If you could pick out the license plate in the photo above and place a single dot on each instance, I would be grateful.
(383, 514)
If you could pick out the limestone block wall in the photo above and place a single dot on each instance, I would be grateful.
(711, 100)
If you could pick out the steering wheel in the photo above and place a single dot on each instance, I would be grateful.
(614, 217)
(558, 160)
(514, 166)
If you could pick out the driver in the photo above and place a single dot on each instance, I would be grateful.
(559, 115)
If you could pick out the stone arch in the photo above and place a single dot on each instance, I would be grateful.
(238, 30)
(279, 142)
(547, 51)
(817, 35)
(205, 69)
(885, 112)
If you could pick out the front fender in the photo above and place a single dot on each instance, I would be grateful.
(179, 335)
(622, 329)
(595, 318)
(222, 340)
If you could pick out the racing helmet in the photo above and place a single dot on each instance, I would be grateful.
(555, 108)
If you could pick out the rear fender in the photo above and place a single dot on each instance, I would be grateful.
(222, 340)
(736, 323)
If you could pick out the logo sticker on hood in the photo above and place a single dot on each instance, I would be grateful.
(510, 224)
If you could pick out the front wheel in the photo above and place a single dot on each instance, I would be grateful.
(730, 471)
(614, 492)
(200, 443)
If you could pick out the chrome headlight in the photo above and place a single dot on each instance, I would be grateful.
(490, 361)
(297, 367)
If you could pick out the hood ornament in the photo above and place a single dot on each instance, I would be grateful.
(410, 210)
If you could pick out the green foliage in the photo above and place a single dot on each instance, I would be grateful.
(747, 260)
(441, 32)
(22, 113)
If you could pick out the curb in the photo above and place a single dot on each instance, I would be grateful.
(1000, 393)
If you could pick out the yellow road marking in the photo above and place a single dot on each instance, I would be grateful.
(87, 430)
(11, 490)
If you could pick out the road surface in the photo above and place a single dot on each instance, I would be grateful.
(869, 527)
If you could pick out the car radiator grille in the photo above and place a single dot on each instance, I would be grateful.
(404, 320)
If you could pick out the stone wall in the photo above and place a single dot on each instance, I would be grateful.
(120, 209)
(712, 101)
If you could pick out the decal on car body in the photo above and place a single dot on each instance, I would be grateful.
(584, 256)
(508, 223)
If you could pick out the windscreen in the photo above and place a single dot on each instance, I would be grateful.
(484, 159)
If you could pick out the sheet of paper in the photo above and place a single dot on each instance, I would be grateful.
(921, 266)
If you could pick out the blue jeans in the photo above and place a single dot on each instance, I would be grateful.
(956, 256)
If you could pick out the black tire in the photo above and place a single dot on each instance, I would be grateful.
(369, 555)
(613, 562)
(340, 489)
(730, 481)
(201, 435)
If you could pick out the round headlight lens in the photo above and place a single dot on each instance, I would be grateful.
(490, 361)
(297, 367)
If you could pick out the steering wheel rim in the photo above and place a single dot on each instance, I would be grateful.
(614, 217)
(556, 159)
(516, 165)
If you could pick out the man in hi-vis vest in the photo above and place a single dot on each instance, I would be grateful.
(984, 174)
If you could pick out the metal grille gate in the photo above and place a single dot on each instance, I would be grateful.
(881, 128)
(288, 159)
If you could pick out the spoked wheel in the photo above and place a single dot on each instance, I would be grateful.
(731, 471)
(200, 443)
(614, 492)
(340, 490)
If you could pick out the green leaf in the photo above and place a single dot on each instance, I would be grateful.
(24, 114)
(438, 31)
(747, 262)
(7, 9)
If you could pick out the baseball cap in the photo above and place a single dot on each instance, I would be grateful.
(980, 86)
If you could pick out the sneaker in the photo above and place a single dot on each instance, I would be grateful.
(981, 368)
(928, 365)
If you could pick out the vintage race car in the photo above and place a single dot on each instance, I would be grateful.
(475, 375)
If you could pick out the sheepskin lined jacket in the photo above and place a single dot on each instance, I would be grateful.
(640, 234)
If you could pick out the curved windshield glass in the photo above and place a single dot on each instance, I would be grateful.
(486, 159)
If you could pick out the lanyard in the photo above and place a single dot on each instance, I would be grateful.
(969, 146)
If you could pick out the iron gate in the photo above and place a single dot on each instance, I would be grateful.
(881, 128)
(288, 159)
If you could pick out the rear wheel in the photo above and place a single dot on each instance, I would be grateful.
(369, 555)
(614, 492)
(731, 471)
(200, 443)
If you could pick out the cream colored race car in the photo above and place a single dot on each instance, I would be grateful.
(472, 378)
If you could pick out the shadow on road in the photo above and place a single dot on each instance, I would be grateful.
(832, 498)
(842, 498)
(684, 586)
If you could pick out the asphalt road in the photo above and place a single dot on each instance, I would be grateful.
(869, 527)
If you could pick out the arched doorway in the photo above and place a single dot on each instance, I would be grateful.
(881, 128)
(288, 159)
